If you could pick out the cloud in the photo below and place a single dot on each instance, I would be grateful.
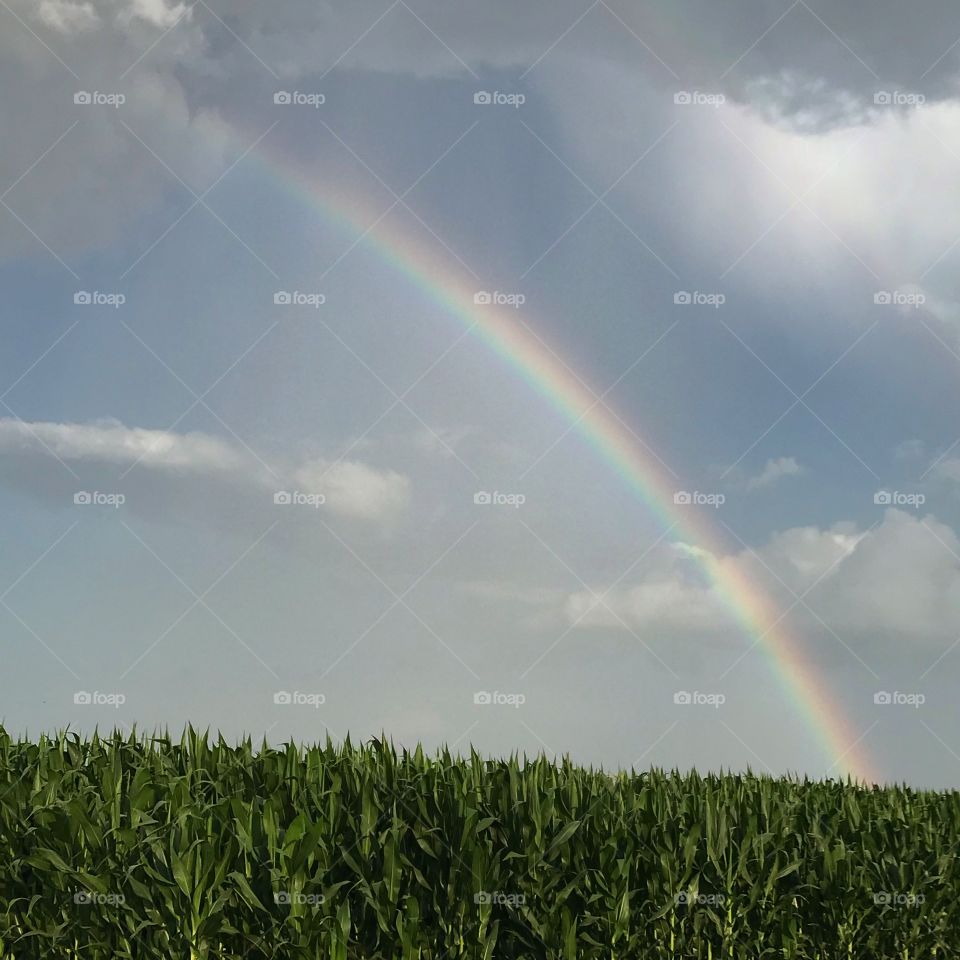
(67, 17)
(124, 456)
(660, 604)
(840, 216)
(673, 597)
(355, 489)
(798, 557)
(902, 580)
(78, 176)
(773, 471)
(157, 13)
(940, 313)
(898, 582)
(112, 442)
(817, 67)
(947, 470)
(99, 179)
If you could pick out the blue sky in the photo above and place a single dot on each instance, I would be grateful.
(809, 178)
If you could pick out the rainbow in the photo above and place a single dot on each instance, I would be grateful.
(616, 444)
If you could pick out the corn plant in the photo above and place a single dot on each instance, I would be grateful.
(146, 847)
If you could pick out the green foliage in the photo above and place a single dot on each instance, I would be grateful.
(134, 847)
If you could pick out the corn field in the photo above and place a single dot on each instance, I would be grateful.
(143, 847)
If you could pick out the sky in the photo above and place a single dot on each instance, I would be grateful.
(313, 319)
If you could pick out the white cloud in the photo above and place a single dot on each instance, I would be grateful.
(898, 582)
(352, 488)
(355, 489)
(948, 469)
(902, 580)
(673, 597)
(66, 17)
(800, 555)
(660, 604)
(112, 442)
(157, 13)
(790, 206)
(773, 471)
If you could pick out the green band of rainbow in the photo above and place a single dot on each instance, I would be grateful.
(607, 435)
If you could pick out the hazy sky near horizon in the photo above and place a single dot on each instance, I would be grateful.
(169, 171)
